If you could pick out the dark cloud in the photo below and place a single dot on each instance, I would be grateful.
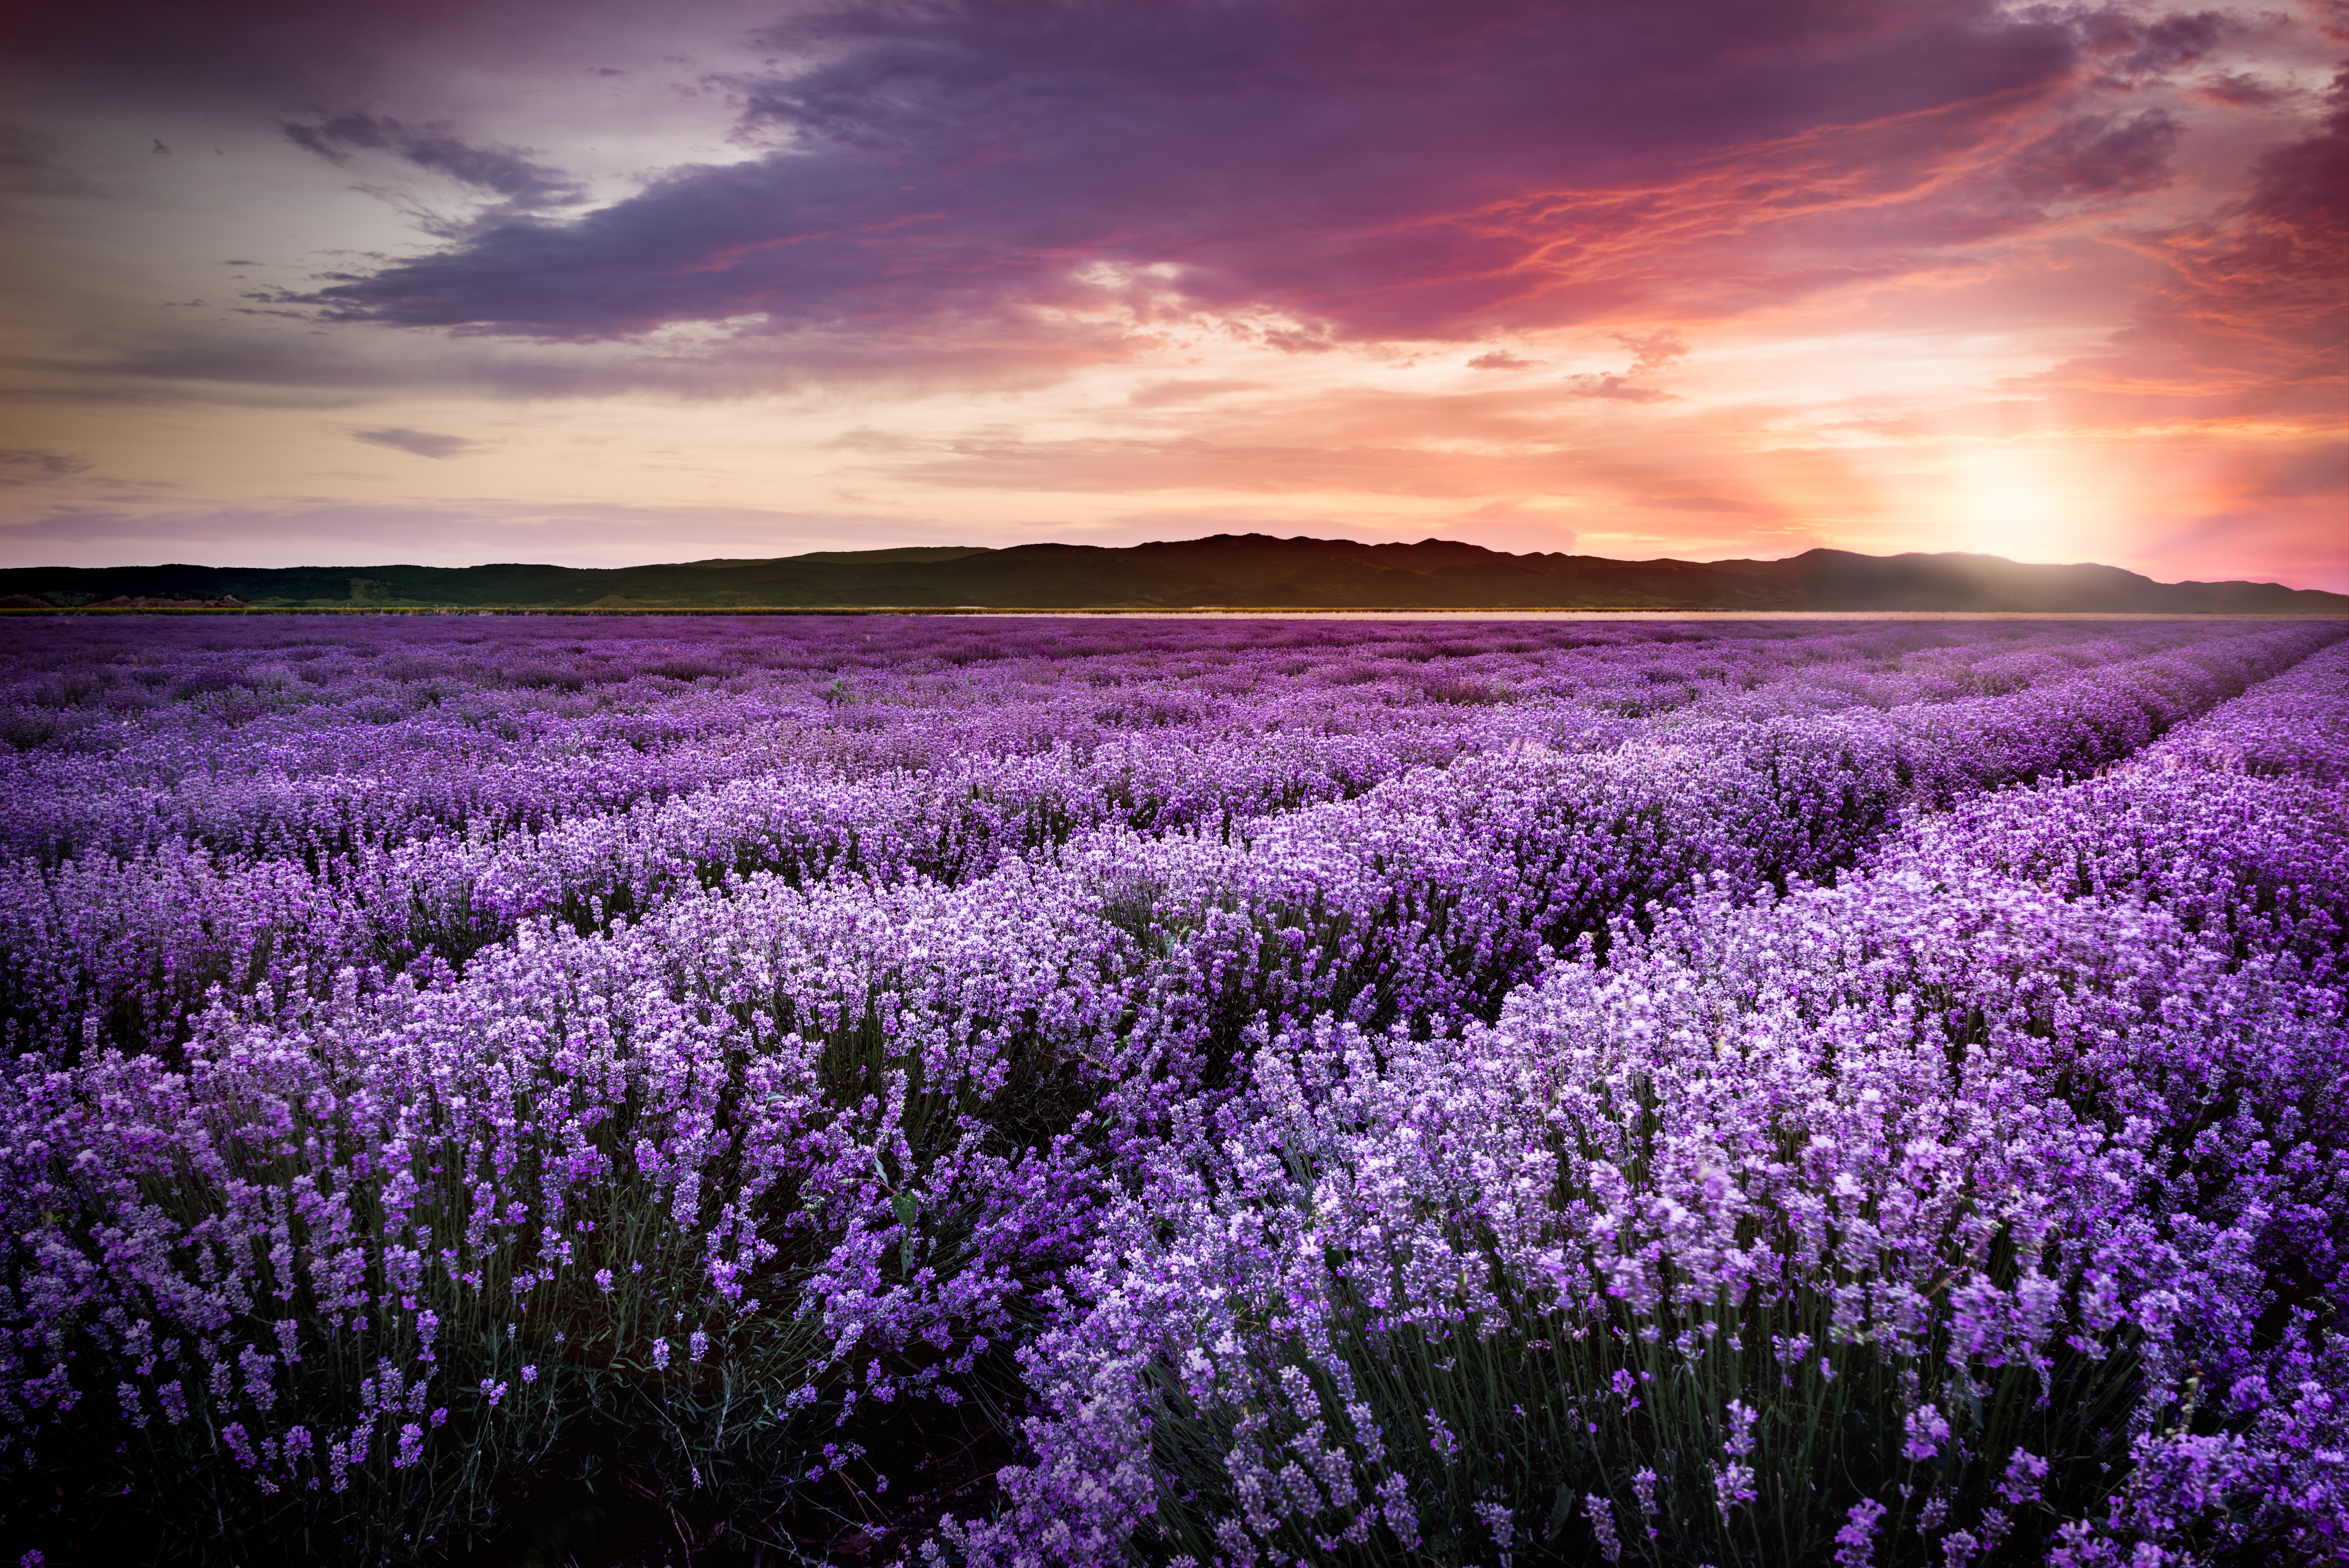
(34, 464)
(2239, 90)
(1501, 359)
(2099, 154)
(2303, 186)
(422, 443)
(1325, 170)
(2251, 320)
(504, 172)
(2131, 48)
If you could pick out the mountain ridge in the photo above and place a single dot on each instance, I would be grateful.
(1221, 572)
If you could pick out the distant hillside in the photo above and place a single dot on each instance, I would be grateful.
(1235, 571)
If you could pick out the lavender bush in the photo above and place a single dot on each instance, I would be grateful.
(1396, 1091)
(267, 831)
(1988, 1205)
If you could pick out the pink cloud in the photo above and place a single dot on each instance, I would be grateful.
(978, 198)
(1373, 168)
(1616, 388)
(2248, 320)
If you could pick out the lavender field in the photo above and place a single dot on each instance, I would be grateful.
(1019, 1092)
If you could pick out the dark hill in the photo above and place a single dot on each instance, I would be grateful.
(1235, 571)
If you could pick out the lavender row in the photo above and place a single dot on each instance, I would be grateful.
(122, 952)
(1992, 1205)
(525, 730)
(777, 1148)
(2235, 824)
(125, 945)
(305, 759)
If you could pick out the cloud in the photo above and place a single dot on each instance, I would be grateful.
(2132, 49)
(2239, 90)
(258, 361)
(422, 443)
(1329, 170)
(1161, 393)
(1433, 448)
(35, 465)
(1501, 359)
(2099, 154)
(2305, 185)
(507, 173)
(2247, 322)
(1654, 351)
(1650, 351)
(1711, 503)
(1617, 389)
(1263, 466)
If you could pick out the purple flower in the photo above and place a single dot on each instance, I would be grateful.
(1855, 1541)
(1221, 999)
(411, 1446)
(1927, 1429)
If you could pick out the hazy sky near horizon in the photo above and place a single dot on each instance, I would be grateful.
(602, 282)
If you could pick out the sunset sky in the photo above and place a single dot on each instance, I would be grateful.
(598, 282)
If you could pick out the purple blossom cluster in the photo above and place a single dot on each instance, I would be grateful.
(314, 801)
(1990, 1202)
(1396, 1089)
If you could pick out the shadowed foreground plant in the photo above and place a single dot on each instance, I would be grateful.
(290, 1313)
(1722, 1437)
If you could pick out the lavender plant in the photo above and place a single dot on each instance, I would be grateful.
(1331, 1058)
(123, 946)
(1946, 1216)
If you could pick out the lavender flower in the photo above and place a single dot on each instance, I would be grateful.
(1281, 1038)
